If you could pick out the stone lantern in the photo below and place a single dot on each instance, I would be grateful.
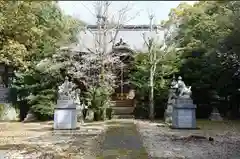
(215, 115)
(171, 101)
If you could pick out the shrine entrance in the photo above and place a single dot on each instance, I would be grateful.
(124, 93)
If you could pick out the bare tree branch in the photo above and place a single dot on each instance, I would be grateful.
(87, 8)
(100, 61)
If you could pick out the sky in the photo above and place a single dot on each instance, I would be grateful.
(138, 12)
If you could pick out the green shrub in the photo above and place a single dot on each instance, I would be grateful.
(99, 99)
(98, 115)
(43, 104)
(109, 113)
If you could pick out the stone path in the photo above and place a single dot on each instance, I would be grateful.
(122, 141)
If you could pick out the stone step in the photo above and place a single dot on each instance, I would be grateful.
(122, 110)
(123, 116)
(123, 103)
(124, 100)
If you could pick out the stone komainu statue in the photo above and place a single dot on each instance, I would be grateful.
(66, 89)
(183, 90)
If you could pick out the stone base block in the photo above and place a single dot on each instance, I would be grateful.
(65, 119)
(215, 117)
(196, 128)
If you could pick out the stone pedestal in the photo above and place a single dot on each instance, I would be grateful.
(183, 115)
(65, 115)
(215, 115)
(168, 114)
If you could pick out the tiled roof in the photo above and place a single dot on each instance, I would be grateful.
(128, 27)
(131, 34)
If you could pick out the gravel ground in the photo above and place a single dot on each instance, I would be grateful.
(39, 141)
(118, 139)
(162, 142)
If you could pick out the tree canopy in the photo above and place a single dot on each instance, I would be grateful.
(204, 38)
(31, 32)
(206, 34)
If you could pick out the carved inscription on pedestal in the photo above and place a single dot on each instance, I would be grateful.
(185, 118)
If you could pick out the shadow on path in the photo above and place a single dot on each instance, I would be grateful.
(122, 141)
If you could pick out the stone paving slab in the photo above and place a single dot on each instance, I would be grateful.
(122, 142)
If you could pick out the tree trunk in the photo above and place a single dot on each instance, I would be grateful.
(151, 96)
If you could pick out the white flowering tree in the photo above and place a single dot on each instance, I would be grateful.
(92, 61)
